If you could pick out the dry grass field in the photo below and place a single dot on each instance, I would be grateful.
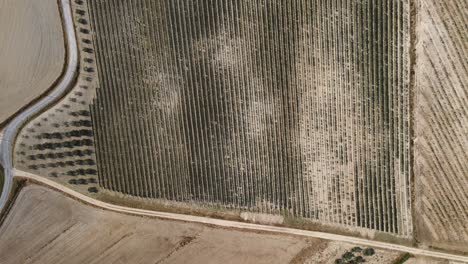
(441, 124)
(44, 226)
(32, 52)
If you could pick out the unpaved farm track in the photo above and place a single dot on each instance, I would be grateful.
(32, 52)
(43, 226)
(10, 132)
(237, 225)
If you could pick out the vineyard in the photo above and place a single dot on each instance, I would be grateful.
(441, 116)
(300, 108)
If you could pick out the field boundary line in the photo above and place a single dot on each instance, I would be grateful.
(234, 224)
(67, 79)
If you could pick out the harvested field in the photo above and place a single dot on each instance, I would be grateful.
(441, 125)
(292, 107)
(32, 52)
(43, 226)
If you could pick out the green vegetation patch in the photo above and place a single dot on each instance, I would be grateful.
(403, 258)
(355, 255)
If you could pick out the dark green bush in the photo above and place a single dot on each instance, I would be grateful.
(368, 252)
(92, 190)
(348, 255)
(356, 249)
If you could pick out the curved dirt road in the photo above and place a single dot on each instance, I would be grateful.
(12, 129)
(67, 79)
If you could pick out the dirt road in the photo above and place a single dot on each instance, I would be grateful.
(10, 131)
(239, 225)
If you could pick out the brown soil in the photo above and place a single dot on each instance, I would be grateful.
(31, 50)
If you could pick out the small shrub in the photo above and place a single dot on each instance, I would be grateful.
(72, 181)
(82, 181)
(92, 190)
(356, 249)
(88, 69)
(403, 258)
(92, 180)
(368, 252)
(91, 171)
(348, 255)
(359, 259)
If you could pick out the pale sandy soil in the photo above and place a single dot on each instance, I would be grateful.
(44, 226)
(424, 260)
(31, 50)
(335, 250)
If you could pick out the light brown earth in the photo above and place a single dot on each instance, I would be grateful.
(32, 51)
(44, 226)
(425, 260)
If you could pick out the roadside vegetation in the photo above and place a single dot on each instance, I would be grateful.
(59, 143)
(355, 255)
(403, 258)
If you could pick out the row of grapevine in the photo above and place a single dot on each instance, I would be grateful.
(441, 119)
(292, 107)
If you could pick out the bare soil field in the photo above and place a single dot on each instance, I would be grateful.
(44, 226)
(441, 125)
(32, 51)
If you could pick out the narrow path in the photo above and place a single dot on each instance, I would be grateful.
(67, 79)
(237, 225)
